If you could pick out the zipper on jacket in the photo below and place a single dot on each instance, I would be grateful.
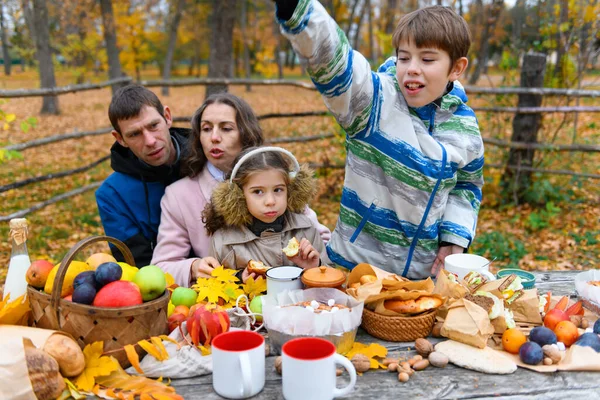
(363, 221)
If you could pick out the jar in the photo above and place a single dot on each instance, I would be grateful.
(324, 277)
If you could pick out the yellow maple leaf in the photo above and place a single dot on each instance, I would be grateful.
(95, 365)
(224, 274)
(210, 290)
(372, 351)
(14, 312)
(254, 288)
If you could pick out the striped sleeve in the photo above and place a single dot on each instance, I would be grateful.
(342, 76)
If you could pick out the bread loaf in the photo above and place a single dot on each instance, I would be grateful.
(46, 380)
(415, 306)
(67, 353)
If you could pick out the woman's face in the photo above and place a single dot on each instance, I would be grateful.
(219, 136)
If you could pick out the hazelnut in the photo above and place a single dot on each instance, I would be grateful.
(405, 365)
(552, 353)
(392, 367)
(438, 359)
(361, 362)
(339, 371)
(278, 361)
(389, 361)
(585, 323)
(423, 347)
(403, 377)
(548, 361)
(421, 365)
(437, 329)
(577, 320)
(418, 357)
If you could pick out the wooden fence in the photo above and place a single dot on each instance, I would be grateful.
(304, 85)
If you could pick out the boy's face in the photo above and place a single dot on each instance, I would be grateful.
(266, 195)
(423, 73)
(147, 136)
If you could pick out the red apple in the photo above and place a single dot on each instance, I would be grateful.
(553, 317)
(118, 294)
(38, 272)
(205, 322)
(175, 320)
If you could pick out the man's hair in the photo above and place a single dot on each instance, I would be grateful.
(437, 27)
(128, 102)
(251, 134)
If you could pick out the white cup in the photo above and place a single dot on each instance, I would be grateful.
(308, 370)
(283, 278)
(463, 263)
(238, 364)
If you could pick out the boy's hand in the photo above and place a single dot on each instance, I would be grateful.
(444, 251)
(202, 267)
(246, 275)
(307, 257)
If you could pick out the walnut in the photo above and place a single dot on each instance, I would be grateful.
(437, 329)
(361, 362)
(423, 347)
(278, 361)
(552, 353)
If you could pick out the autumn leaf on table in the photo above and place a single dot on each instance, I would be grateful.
(255, 288)
(372, 351)
(225, 274)
(14, 312)
(96, 365)
(209, 289)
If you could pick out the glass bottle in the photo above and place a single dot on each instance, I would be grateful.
(15, 284)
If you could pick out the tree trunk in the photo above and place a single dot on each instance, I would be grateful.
(372, 54)
(172, 42)
(221, 50)
(28, 15)
(351, 18)
(44, 56)
(392, 9)
(460, 8)
(515, 183)
(518, 20)
(5, 53)
(246, 51)
(110, 38)
(484, 48)
(561, 45)
(358, 26)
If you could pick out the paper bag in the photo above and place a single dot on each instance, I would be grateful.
(576, 358)
(527, 308)
(451, 290)
(467, 323)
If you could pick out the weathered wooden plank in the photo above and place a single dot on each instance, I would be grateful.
(448, 383)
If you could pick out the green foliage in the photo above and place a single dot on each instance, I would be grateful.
(543, 191)
(541, 219)
(587, 238)
(497, 244)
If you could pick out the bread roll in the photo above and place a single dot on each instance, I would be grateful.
(67, 353)
(416, 306)
(257, 267)
(46, 380)
(354, 285)
(292, 248)
(367, 279)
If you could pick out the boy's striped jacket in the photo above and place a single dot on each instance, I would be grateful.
(413, 176)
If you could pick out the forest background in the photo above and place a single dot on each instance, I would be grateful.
(553, 222)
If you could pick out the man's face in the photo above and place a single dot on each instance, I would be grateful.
(423, 73)
(220, 136)
(147, 136)
(266, 195)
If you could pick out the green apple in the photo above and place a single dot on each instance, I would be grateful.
(151, 281)
(184, 296)
(256, 307)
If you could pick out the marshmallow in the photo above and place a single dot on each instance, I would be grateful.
(314, 304)
(330, 302)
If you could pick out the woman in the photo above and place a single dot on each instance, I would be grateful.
(221, 128)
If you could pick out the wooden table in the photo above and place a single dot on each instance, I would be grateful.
(433, 383)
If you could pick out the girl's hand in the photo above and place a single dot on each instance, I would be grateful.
(246, 275)
(444, 251)
(307, 257)
(203, 267)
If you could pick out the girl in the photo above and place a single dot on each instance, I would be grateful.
(254, 214)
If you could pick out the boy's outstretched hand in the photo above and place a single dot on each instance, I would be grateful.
(444, 251)
(307, 257)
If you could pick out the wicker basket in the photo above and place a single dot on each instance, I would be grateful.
(398, 329)
(116, 327)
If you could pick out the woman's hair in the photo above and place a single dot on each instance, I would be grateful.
(214, 220)
(251, 134)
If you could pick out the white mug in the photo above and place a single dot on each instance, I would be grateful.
(463, 263)
(308, 370)
(286, 277)
(238, 364)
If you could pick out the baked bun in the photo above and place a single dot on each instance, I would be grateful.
(292, 248)
(367, 279)
(423, 303)
(257, 267)
(354, 285)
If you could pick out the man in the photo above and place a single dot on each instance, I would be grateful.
(146, 158)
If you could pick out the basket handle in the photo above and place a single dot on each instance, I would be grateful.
(66, 261)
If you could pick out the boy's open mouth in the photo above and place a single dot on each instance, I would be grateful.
(413, 86)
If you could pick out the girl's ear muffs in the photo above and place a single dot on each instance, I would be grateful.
(302, 189)
(229, 201)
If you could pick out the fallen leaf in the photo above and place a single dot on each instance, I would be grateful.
(372, 351)
(96, 365)
(14, 312)
(133, 357)
(255, 288)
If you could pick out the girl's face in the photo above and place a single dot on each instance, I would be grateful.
(266, 195)
(220, 136)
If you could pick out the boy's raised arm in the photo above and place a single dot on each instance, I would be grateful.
(342, 76)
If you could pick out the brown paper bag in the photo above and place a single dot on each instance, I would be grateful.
(576, 358)
(527, 308)
(451, 290)
(467, 323)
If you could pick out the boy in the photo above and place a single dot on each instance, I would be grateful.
(414, 162)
